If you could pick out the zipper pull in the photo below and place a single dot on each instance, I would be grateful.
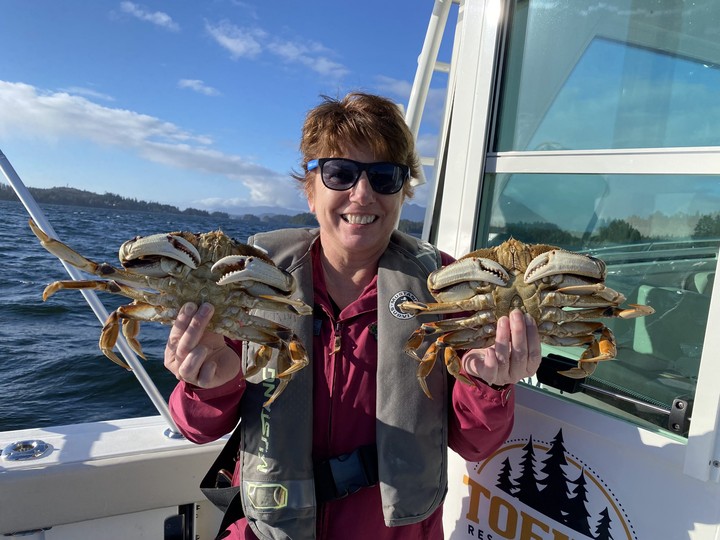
(338, 339)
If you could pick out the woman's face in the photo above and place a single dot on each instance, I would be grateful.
(355, 223)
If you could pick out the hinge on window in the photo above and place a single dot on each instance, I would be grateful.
(678, 415)
(680, 412)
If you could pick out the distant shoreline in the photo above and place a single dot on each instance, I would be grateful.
(68, 196)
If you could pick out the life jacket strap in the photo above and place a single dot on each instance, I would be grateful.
(343, 475)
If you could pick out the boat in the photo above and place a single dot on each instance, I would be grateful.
(588, 125)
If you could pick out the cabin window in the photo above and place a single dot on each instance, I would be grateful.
(660, 240)
(623, 74)
(604, 140)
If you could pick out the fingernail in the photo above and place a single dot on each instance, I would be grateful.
(189, 308)
(205, 309)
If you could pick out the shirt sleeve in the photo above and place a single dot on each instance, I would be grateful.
(481, 418)
(205, 414)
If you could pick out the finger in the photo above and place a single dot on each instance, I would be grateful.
(181, 323)
(195, 330)
(207, 373)
(502, 340)
(518, 344)
(482, 364)
(192, 364)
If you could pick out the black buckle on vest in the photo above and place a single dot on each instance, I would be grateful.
(343, 475)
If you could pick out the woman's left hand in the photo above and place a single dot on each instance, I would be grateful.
(514, 356)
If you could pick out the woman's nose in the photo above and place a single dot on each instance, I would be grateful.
(362, 191)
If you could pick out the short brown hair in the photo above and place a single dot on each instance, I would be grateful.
(358, 119)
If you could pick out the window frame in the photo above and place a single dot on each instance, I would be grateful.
(474, 88)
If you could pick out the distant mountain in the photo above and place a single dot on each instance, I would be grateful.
(410, 211)
(259, 210)
(413, 212)
(76, 197)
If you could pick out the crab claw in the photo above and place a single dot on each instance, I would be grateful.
(149, 254)
(239, 268)
(466, 270)
(559, 261)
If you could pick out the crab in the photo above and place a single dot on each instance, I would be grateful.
(561, 290)
(162, 272)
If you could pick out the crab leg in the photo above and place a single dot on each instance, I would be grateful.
(585, 294)
(475, 303)
(293, 357)
(450, 358)
(70, 256)
(426, 366)
(598, 351)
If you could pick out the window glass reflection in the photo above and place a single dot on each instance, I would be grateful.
(623, 74)
(659, 238)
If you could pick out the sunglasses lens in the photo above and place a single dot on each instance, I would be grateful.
(340, 174)
(386, 178)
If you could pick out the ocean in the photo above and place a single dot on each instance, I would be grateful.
(51, 370)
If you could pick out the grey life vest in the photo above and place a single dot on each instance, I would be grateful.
(277, 490)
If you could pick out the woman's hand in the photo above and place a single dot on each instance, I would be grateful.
(197, 356)
(515, 355)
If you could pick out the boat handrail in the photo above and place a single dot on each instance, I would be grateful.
(36, 213)
(427, 65)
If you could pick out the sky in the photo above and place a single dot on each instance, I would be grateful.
(194, 104)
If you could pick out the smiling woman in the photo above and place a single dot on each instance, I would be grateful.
(372, 428)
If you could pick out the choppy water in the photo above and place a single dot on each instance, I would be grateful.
(51, 370)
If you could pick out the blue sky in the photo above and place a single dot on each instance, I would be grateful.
(193, 103)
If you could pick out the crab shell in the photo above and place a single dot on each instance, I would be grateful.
(162, 272)
(561, 290)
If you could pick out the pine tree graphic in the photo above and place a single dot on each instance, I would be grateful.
(528, 492)
(555, 496)
(504, 480)
(577, 513)
(602, 531)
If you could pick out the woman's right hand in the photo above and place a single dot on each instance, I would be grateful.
(197, 356)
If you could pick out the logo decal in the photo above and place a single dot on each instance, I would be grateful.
(561, 498)
(399, 298)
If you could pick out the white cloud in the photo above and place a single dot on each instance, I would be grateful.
(238, 41)
(252, 42)
(198, 86)
(88, 92)
(60, 116)
(158, 18)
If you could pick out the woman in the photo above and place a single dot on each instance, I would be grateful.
(352, 448)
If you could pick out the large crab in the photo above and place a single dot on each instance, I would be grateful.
(164, 271)
(562, 290)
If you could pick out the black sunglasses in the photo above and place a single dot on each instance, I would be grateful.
(341, 174)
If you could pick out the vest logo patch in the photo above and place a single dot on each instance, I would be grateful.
(399, 298)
